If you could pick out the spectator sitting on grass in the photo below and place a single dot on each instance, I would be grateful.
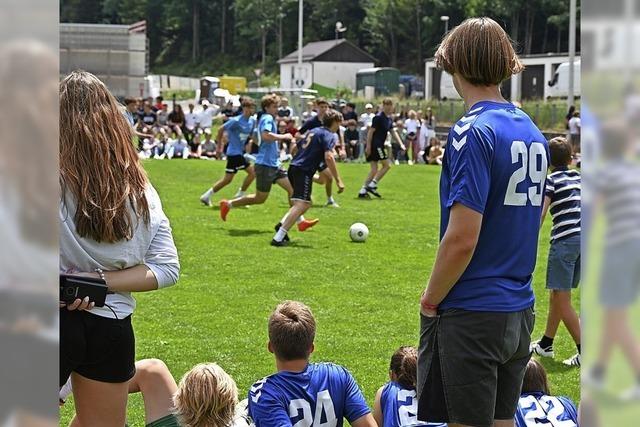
(196, 146)
(284, 110)
(352, 139)
(176, 120)
(434, 153)
(178, 147)
(163, 117)
(209, 148)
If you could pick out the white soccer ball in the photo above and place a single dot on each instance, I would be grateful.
(359, 232)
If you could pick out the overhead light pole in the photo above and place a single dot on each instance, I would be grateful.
(445, 19)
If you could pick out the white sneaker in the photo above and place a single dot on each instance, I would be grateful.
(632, 394)
(410, 162)
(396, 162)
(573, 361)
(205, 200)
(544, 352)
(332, 204)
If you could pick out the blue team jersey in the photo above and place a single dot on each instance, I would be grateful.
(268, 154)
(312, 148)
(312, 123)
(495, 163)
(322, 394)
(538, 409)
(400, 407)
(238, 130)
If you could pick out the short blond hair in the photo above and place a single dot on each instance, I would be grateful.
(207, 397)
(480, 51)
(269, 100)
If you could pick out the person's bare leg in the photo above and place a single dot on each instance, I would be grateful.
(328, 183)
(251, 175)
(568, 314)
(286, 186)
(386, 165)
(504, 423)
(251, 199)
(298, 208)
(154, 380)
(372, 172)
(626, 339)
(99, 404)
(223, 182)
(554, 317)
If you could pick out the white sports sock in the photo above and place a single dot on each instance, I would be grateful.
(230, 204)
(330, 199)
(373, 184)
(65, 391)
(280, 234)
(207, 194)
(240, 192)
(300, 219)
(363, 190)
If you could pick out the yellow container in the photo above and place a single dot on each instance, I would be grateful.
(233, 84)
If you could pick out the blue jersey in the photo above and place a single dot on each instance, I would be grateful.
(496, 164)
(400, 407)
(322, 394)
(381, 125)
(540, 410)
(269, 154)
(312, 123)
(238, 130)
(312, 149)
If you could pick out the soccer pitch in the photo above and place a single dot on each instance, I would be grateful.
(364, 296)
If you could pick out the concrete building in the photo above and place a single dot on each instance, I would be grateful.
(329, 63)
(117, 54)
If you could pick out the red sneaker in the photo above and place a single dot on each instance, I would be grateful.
(224, 209)
(307, 223)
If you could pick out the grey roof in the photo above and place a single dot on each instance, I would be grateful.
(323, 48)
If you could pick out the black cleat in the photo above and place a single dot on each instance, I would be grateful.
(277, 228)
(274, 242)
(373, 191)
(364, 196)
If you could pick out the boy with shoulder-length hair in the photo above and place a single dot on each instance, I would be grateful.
(491, 192)
(562, 200)
(303, 392)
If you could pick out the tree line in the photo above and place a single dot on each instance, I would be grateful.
(236, 36)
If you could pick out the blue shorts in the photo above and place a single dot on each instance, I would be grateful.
(620, 275)
(563, 267)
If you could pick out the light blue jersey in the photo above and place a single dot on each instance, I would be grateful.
(322, 394)
(238, 129)
(540, 410)
(496, 164)
(400, 407)
(269, 154)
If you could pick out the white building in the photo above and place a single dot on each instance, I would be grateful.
(330, 63)
(532, 83)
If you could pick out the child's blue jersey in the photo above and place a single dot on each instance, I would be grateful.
(238, 130)
(540, 410)
(312, 149)
(269, 153)
(400, 407)
(495, 163)
(322, 394)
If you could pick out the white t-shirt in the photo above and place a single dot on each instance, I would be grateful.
(366, 119)
(412, 125)
(205, 118)
(574, 125)
(190, 120)
(151, 245)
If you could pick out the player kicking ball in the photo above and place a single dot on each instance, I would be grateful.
(238, 130)
(303, 393)
(267, 168)
(316, 148)
(375, 150)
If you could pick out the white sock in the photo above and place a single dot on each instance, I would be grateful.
(207, 194)
(280, 234)
(300, 219)
(240, 192)
(230, 204)
(373, 184)
(330, 199)
(363, 190)
(65, 391)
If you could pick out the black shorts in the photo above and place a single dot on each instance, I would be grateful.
(96, 347)
(302, 183)
(471, 365)
(378, 154)
(236, 163)
(321, 167)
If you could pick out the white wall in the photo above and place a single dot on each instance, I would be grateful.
(290, 73)
(334, 74)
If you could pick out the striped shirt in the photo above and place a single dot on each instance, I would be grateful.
(563, 188)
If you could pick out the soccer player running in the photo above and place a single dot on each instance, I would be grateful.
(267, 167)
(477, 308)
(303, 393)
(238, 129)
(375, 150)
(316, 149)
(324, 177)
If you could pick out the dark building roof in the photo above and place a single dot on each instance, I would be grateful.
(341, 50)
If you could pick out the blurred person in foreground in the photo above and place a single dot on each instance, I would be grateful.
(491, 192)
(538, 407)
(618, 197)
(111, 227)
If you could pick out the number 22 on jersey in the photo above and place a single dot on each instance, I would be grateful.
(534, 164)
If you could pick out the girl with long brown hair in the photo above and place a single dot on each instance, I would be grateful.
(111, 226)
(396, 404)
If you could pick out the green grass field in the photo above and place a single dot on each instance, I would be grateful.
(364, 296)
